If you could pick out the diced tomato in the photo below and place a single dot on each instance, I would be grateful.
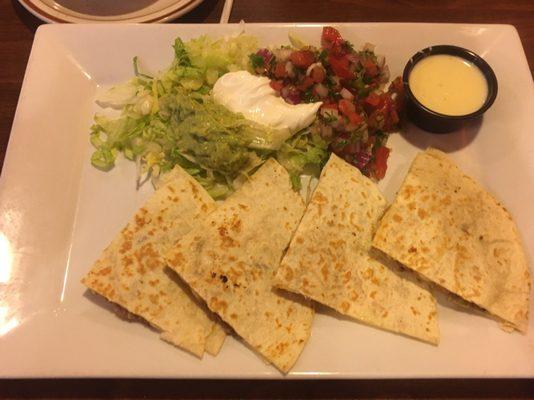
(280, 70)
(317, 74)
(380, 163)
(355, 118)
(329, 105)
(393, 117)
(371, 69)
(372, 100)
(373, 120)
(352, 148)
(396, 86)
(276, 85)
(305, 84)
(331, 37)
(346, 107)
(302, 58)
(340, 66)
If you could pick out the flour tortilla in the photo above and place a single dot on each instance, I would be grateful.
(230, 262)
(131, 271)
(330, 258)
(446, 227)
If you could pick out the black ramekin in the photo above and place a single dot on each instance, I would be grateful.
(440, 123)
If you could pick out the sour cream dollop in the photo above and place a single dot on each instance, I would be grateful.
(252, 96)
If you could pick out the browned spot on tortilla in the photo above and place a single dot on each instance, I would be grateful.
(218, 305)
(289, 274)
(178, 258)
(345, 306)
(104, 271)
(154, 298)
(347, 277)
(368, 273)
(236, 224)
(422, 213)
(194, 189)
(140, 269)
(139, 221)
(281, 347)
(336, 244)
(227, 241)
(324, 272)
(397, 218)
(319, 198)
(408, 191)
(126, 246)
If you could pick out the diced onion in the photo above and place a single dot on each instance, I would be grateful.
(321, 90)
(346, 94)
(290, 69)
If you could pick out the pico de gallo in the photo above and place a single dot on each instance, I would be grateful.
(357, 113)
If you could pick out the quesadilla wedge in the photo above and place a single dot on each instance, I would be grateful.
(446, 227)
(132, 273)
(330, 258)
(231, 259)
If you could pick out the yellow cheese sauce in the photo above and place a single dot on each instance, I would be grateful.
(448, 84)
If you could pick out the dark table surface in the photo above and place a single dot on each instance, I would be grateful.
(17, 28)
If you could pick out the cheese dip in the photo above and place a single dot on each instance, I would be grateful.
(448, 84)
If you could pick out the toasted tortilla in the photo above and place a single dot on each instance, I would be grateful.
(230, 262)
(446, 227)
(132, 273)
(330, 258)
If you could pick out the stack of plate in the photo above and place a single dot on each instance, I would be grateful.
(87, 11)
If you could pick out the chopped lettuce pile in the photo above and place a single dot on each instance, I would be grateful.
(171, 119)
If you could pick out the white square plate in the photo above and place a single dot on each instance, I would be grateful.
(57, 213)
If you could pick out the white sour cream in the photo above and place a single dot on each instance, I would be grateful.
(448, 84)
(252, 96)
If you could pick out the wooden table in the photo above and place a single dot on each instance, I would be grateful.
(17, 28)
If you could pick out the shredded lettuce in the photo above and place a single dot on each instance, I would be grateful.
(304, 154)
(169, 119)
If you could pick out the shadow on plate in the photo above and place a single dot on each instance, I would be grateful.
(447, 142)
(119, 311)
